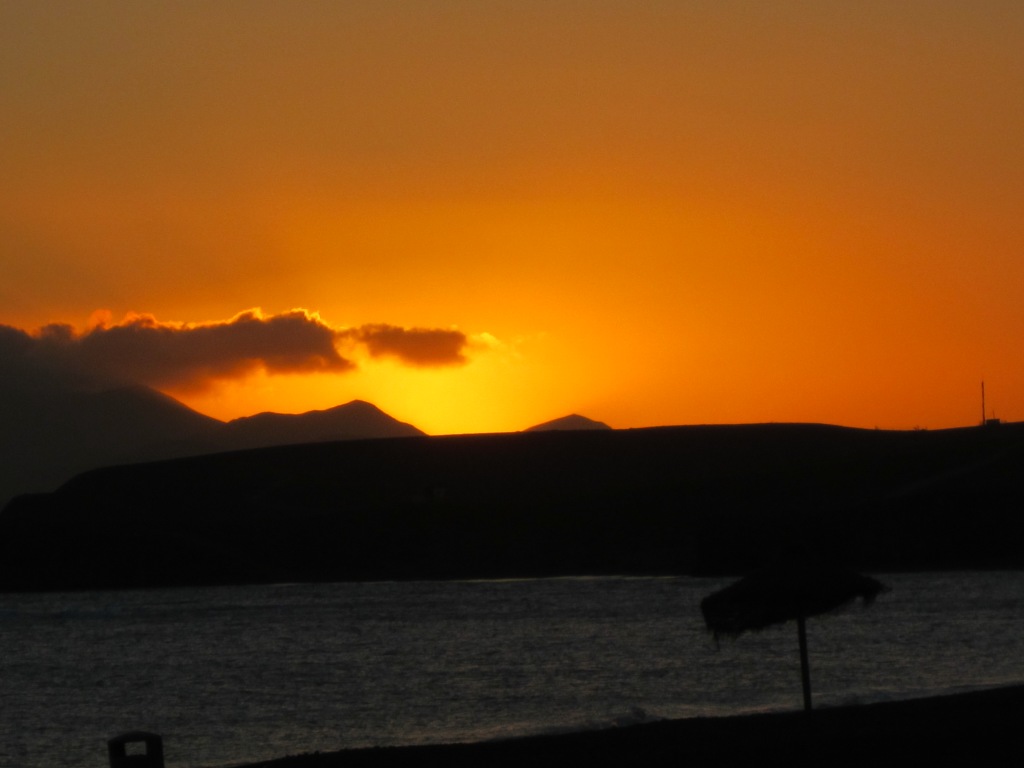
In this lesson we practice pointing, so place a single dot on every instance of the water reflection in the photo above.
(244, 673)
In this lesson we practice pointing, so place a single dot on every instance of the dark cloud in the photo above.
(143, 350)
(413, 346)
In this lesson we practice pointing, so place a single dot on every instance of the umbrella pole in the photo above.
(805, 668)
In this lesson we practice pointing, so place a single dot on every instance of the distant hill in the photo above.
(571, 422)
(357, 420)
(671, 500)
(49, 435)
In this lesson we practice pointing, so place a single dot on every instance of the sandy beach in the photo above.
(982, 727)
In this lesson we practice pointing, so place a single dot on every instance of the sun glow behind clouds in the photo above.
(503, 387)
(686, 212)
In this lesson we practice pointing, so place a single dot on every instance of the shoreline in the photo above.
(979, 725)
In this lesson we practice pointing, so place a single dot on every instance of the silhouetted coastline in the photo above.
(673, 500)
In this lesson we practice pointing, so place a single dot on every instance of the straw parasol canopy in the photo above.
(784, 594)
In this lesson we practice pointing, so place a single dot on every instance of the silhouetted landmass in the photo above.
(50, 434)
(571, 422)
(704, 499)
(357, 420)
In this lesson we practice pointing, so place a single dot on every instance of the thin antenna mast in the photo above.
(983, 402)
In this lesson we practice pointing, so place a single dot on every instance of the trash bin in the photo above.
(149, 755)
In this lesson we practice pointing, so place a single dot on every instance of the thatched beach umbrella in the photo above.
(776, 596)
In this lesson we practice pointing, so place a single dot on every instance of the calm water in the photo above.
(228, 675)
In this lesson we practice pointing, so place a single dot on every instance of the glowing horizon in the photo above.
(648, 214)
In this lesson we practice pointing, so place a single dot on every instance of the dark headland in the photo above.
(671, 500)
(978, 728)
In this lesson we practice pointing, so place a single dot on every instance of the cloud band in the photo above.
(143, 350)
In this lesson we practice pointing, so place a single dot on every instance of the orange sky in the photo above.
(649, 213)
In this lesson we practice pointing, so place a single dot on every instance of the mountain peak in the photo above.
(357, 405)
(354, 420)
(572, 422)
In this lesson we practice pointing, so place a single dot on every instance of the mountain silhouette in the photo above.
(50, 434)
(572, 422)
(357, 420)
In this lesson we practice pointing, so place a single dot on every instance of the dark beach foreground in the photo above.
(976, 728)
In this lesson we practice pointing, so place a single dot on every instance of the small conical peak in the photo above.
(572, 422)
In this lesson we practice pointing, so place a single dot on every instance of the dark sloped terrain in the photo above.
(568, 423)
(49, 434)
(977, 728)
(663, 500)
(357, 420)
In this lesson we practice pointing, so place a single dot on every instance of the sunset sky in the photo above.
(481, 215)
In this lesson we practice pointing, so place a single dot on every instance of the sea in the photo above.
(229, 675)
